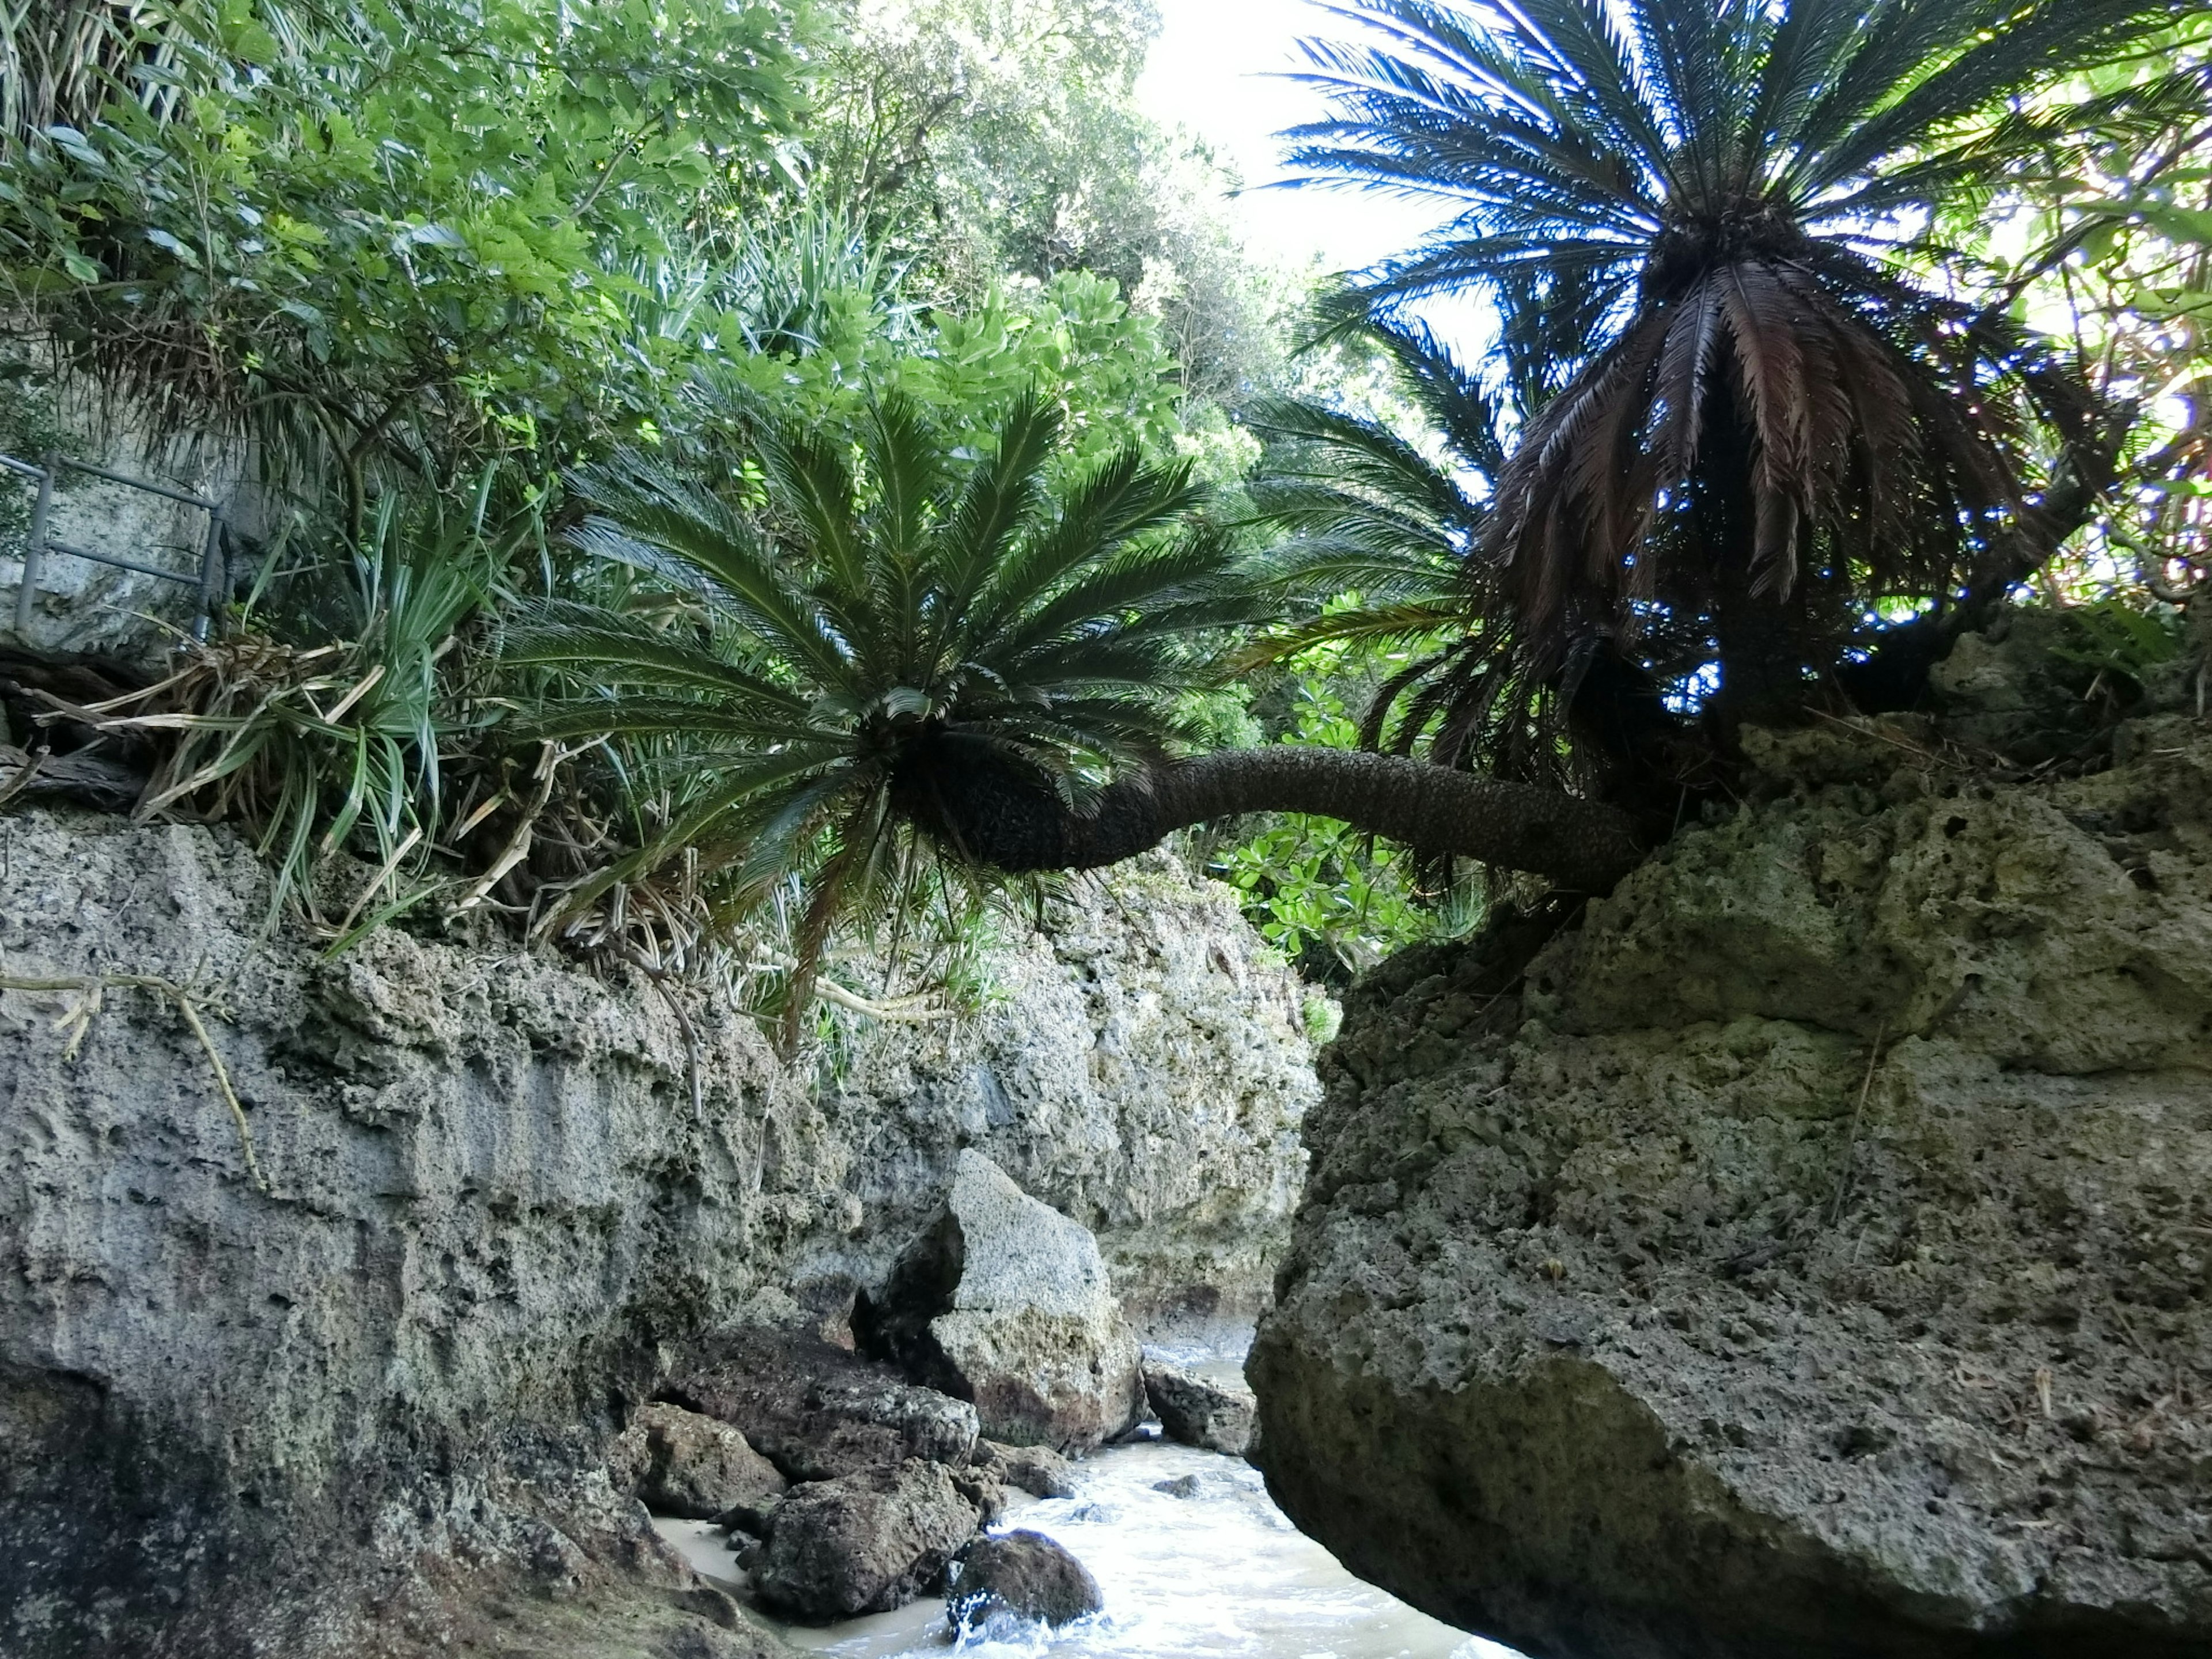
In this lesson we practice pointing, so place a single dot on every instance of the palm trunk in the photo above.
(1013, 825)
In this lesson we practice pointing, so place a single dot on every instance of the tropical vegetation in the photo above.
(745, 482)
(1756, 415)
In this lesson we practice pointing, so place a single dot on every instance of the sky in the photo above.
(1217, 70)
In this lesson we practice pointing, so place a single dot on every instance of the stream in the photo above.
(1210, 1570)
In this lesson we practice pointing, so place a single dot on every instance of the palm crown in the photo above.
(1743, 418)
(878, 632)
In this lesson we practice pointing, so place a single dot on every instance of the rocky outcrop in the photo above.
(865, 1542)
(355, 1396)
(1004, 1301)
(1141, 1066)
(818, 1410)
(1019, 1576)
(1808, 1253)
(1038, 1470)
(1198, 1413)
(681, 1463)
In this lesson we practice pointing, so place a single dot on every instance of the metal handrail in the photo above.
(40, 543)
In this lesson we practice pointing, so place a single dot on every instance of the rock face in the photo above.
(1808, 1254)
(1020, 1574)
(351, 1412)
(1197, 1413)
(367, 1411)
(681, 1463)
(1004, 1301)
(1144, 1071)
(863, 1543)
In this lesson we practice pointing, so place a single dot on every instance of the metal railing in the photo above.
(40, 543)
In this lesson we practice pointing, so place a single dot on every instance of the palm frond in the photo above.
(816, 699)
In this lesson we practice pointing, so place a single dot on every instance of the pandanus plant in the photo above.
(1752, 411)
(898, 643)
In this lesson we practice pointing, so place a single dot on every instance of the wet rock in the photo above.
(1215, 1483)
(1197, 1413)
(985, 1495)
(1004, 1302)
(1019, 1575)
(1038, 1470)
(1796, 1258)
(817, 1410)
(865, 1542)
(679, 1462)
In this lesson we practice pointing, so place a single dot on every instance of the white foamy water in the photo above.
(1220, 1574)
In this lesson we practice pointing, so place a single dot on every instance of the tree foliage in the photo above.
(380, 230)
(980, 139)
(1746, 420)
(890, 625)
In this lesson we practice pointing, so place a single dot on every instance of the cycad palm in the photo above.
(1360, 509)
(909, 645)
(1700, 209)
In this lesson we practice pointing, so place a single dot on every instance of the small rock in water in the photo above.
(1207, 1484)
(681, 1463)
(865, 1542)
(1038, 1470)
(1025, 1574)
(1201, 1414)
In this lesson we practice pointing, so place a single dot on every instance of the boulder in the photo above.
(679, 1462)
(1004, 1302)
(1019, 1575)
(865, 1542)
(1806, 1254)
(1197, 1413)
(817, 1410)
(1038, 1470)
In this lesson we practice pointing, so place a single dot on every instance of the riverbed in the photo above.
(1208, 1569)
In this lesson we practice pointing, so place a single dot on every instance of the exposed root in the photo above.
(77, 1020)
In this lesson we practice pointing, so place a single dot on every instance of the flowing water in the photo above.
(1210, 1570)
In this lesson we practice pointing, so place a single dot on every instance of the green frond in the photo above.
(915, 604)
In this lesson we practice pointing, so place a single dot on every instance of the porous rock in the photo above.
(865, 1542)
(1004, 1302)
(353, 1408)
(1038, 1470)
(817, 1410)
(681, 1463)
(1806, 1255)
(1197, 1413)
(1019, 1575)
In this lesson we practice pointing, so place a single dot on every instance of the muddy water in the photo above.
(1211, 1571)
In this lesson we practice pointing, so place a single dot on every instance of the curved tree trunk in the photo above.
(993, 815)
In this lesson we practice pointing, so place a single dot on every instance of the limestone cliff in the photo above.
(362, 1411)
(1806, 1252)
(1140, 1067)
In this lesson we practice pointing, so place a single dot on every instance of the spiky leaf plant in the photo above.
(901, 649)
(1363, 510)
(1764, 416)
